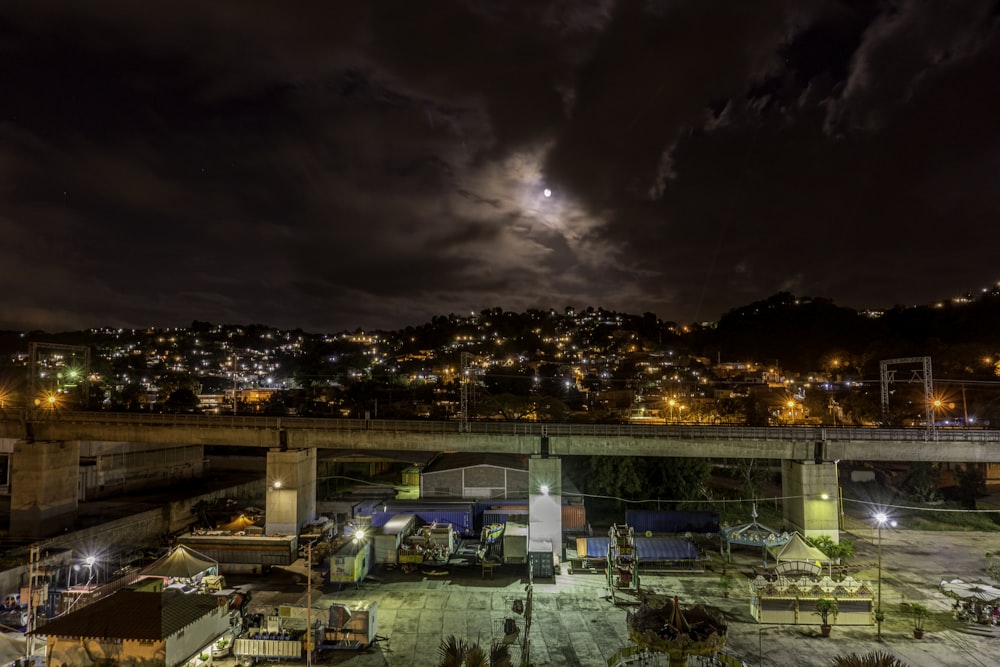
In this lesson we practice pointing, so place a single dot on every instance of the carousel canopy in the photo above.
(754, 534)
(970, 591)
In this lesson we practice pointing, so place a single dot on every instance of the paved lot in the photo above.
(574, 624)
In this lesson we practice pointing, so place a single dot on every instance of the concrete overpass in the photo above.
(45, 459)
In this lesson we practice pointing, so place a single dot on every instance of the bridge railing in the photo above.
(526, 429)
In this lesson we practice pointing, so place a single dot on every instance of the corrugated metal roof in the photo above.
(132, 615)
(647, 548)
(469, 459)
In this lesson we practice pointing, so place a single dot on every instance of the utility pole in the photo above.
(310, 635)
(29, 644)
(234, 383)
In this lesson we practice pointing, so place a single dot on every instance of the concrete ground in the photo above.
(575, 624)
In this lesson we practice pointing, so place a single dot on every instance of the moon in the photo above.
(547, 192)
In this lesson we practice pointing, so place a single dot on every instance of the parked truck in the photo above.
(294, 630)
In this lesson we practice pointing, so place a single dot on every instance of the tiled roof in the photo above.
(132, 615)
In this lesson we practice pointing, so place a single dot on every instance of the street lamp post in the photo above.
(880, 520)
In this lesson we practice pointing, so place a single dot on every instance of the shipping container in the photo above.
(351, 563)
(661, 521)
(541, 560)
(460, 515)
(391, 535)
(515, 543)
(574, 519)
(244, 553)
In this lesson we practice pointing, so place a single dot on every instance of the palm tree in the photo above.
(825, 607)
(456, 652)
(870, 659)
(452, 652)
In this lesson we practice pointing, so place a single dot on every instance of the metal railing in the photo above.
(526, 429)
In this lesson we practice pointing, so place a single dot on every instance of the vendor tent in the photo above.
(238, 524)
(12, 647)
(182, 563)
(797, 549)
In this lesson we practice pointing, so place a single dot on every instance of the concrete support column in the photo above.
(44, 477)
(291, 490)
(545, 504)
(811, 498)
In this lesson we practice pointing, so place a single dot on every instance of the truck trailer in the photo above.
(294, 630)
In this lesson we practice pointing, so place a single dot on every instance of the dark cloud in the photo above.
(374, 164)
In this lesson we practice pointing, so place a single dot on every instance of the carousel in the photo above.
(751, 534)
(679, 634)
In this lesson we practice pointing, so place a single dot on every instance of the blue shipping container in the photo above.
(657, 521)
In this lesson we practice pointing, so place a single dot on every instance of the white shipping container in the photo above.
(393, 534)
(515, 543)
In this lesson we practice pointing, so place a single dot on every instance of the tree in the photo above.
(133, 397)
(617, 476)
(971, 485)
(753, 475)
(870, 659)
(824, 608)
(842, 550)
(182, 400)
(675, 478)
(456, 652)
(921, 481)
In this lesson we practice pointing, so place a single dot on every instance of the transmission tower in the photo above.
(923, 374)
(466, 365)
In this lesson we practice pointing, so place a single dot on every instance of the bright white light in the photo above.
(90, 560)
(544, 488)
(547, 192)
(277, 485)
(881, 518)
(359, 535)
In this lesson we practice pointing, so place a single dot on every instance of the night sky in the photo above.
(335, 165)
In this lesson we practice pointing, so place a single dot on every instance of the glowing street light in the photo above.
(881, 519)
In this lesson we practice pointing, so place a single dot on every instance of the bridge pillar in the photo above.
(545, 505)
(291, 490)
(44, 479)
(811, 498)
